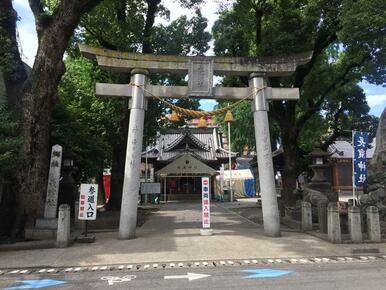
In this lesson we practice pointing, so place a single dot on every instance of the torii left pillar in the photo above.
(131, 183)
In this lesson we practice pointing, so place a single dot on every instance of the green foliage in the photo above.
(7, 49)
(347, 38)
(82, 123)
(182, 36)
(90, 126)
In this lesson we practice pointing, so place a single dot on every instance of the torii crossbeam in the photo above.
(200, 70)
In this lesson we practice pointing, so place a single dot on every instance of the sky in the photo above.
(376, 95)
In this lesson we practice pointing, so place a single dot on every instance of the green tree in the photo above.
(129, 26)
(348, 45)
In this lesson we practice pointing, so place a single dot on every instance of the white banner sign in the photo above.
(205, 203)
(88, 201)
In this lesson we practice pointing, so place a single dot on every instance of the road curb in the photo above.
(135, 267)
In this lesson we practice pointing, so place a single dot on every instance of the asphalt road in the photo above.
(353, 275)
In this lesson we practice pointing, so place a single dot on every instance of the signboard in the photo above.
(88, 201)
(200, 77)
(205, 202)
(360, 142)
(150, 187)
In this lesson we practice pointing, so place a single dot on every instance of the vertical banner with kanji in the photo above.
(205, 202)
(360, 142)
(88, 201)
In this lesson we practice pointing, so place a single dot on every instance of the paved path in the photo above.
(172, 234)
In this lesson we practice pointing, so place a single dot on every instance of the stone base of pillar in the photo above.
(373, 225)
(354, 224)
(206, 232)
(306, 216)
(64, 220)
(333, 227)
(322, 217)
(43, 229)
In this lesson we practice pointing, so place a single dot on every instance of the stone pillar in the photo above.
(271, 217)
(131, 183)
(63, 233)
(322, 217)
(354, 224)
(53, 182)
(306, 216)
(333, 227)
(373, 225)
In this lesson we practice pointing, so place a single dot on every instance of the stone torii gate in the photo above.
(200, 70)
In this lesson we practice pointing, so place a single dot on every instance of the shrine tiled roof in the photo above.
(204, 143)
(342, 149)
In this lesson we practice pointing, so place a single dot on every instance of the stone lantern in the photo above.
(319, 181)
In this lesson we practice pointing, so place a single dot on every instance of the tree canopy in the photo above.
(347, 43)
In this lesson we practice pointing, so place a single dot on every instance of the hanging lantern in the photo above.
(174, 117)
(202, 123)
(228, 117)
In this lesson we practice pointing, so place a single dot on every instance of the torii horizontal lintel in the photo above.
(126, 61)
(177, 92)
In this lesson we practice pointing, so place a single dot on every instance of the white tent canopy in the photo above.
(238, 174)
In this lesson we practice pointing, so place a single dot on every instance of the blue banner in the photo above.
(360, 140)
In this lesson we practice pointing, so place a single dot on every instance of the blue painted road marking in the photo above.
(35, 284)
(265, 273)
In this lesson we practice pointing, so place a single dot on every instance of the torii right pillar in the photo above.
(271, 216)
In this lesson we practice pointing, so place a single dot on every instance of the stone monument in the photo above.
(45, 228)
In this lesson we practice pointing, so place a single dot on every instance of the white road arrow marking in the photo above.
(189, 276)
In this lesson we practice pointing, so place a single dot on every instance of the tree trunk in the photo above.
(118, 166)
(39, 95)
(291, 159)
